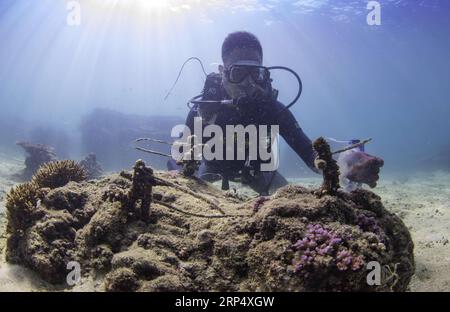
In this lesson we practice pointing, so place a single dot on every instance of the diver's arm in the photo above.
(293, 134)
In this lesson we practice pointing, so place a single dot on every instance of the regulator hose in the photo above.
(300, 85)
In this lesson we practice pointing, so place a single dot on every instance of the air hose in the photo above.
(300, 85)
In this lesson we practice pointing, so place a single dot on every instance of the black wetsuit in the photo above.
(269, 113)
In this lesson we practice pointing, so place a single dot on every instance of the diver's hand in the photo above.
(364, 168)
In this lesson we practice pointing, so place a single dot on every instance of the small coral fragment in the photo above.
(329, 167)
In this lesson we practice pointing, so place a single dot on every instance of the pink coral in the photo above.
(323, 246)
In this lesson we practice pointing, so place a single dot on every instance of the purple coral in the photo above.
(345, 260)
(369, 224)
(322, 246)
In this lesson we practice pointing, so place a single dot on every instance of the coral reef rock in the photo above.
(93, 169)
(199, 238)
(38, 154)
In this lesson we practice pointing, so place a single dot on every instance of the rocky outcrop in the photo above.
(37, 155)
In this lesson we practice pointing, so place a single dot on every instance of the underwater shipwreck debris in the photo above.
(38, 154)
(328, 166)
(290, 241)
(93, 169)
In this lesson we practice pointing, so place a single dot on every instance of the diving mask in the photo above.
(238, 73)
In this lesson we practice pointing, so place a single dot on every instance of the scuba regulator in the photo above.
(214, 96)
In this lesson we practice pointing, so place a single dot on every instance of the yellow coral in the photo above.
(58, 173)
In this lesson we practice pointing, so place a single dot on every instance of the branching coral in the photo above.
(329, 167)
(20, 203)
(58, 173)
(22, 208)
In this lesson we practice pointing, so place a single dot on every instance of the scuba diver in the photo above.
(244, 84)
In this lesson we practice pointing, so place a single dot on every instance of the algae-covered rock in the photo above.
(121, 280)
(198, 238)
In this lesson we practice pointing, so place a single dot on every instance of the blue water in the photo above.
(390, 82)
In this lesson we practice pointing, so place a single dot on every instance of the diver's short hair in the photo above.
(240, 39)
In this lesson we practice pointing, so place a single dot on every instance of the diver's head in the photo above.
(242, 72)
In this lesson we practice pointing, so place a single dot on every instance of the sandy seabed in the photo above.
(422, 201)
